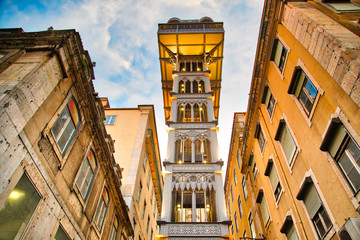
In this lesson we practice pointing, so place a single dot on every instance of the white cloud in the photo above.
(121, 36)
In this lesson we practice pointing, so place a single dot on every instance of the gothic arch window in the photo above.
(187, 151)
(195, 87)
(182, 66)
(206, 151)
(198, 154)
(188, 66)
(181, 87)
(196, 113)
(201, 88)
(187, 113)
(200, 66)
(194, 66)
(180, 113)
(203, 113)
(188, 87)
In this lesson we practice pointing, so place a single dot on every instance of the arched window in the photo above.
(187, 151)
(198, 154)
(206, 150)
(203, 113)
(195, 87)
(200, 66)
(194, 66)
(188, 87)
(187, 113)
(101, 209)
(182, 67)
(201, 87)
(86, 173)
(181, 87)
(196, 113)
(188, 66)
(180, 113)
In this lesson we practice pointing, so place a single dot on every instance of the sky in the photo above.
(121, 37)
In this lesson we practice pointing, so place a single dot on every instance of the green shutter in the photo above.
(312, 201)
(337, 139)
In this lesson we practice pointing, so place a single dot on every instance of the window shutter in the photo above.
(257, 130)
(291, 234)
(287, 143)
(264, 211)
(273, 178)
(265, 96)
(276, 52)
(337, 139)
(297, 81)
(312, 201)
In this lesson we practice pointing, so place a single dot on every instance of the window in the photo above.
(270, 171)
(236, 222)
(61, 234)
(260, 137)
(238, 158)
(145, 163)
(86, 173)
(264, 210)
(110, 120)
(232, 193)
(139, 192)
(235, 179)
(252, 164)
(278, 54)
(144, 210)
(101, 209)
(314, 207)
(66, 125)
(16, 212)
(286, 141)
(240, 207)
(243, 184)
(252, 226)
(268, 100)
(304, 90)
(148, 180)
(114, 228)
(229, 207)
(152, 196)
(147, 225)
(343, 6)
(345, 151)
(288, 229)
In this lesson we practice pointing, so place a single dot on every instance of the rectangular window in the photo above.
(268, 100)
(86, 173)
(110, 120)
(229, 207)
(235, 178)
(288, 229)
(252, 164)
(278, 54)
(270, 171)
(145, 163)
(66, 125)
(18, 209)
(264, 210)
(232, 193)
(238, 158)
(139, 192)
(260, 137)
(243, 184)
(101, 209)
(236, 222)
(345, 151)
(144, 210)
(240, 207)
(315, 208)
(61, 234)
(304, 90)
(147, 225)
(286, 141)
(252, 226)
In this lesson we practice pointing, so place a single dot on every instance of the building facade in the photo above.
(299, 149)
(137, 151)
(191, 54)
(58, 177)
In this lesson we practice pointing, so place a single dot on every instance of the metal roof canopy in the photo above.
(191, 39)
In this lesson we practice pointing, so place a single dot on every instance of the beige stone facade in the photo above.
(133, 131)
(298, 152)
(58, 177)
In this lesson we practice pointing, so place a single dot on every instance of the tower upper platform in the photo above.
(180, 39)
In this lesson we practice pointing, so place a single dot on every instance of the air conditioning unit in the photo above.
(351, 229)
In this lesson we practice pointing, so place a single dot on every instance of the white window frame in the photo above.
(259, 131)
(320, 92)
(266, 102)
(273, 165)
(283, 43)
(244, 188)
(94, 221)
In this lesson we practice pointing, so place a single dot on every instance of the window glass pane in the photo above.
(61, 235)
(59, 123)
(17, 210)
(65, 136)
(354, 151)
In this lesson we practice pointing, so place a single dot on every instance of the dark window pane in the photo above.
(61, 235)
(18, 209)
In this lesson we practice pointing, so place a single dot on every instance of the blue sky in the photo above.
(121, 38)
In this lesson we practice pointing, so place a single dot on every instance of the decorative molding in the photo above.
(198, 229)
(192, 125)
(192, 135)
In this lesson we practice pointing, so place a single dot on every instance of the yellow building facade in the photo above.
(137, 152)
(298, 152)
